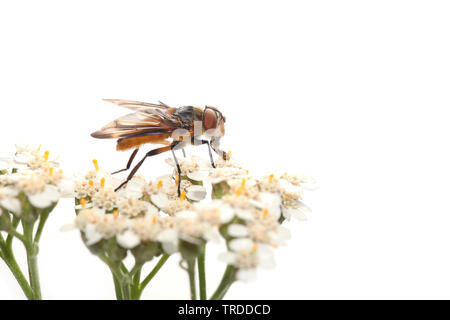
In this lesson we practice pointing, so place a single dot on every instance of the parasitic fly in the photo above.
(160, 124)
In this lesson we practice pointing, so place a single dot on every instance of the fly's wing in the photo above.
(148, 121)
(139, 106)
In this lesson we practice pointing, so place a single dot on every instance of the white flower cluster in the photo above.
(247, 212)
(31, 175)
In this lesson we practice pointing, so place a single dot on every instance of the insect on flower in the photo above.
(160, 124)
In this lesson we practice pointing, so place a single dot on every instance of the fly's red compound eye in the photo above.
(209, 119)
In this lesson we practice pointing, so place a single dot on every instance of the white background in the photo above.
(355, 93)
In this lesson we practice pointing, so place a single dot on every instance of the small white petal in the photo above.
(134, 188)
(294, 212)
(244, 214)
(212, 235)
(266, 257)
(271, 202)
(128, 239)
(45, 198)
(243, 244)
(228, 257)
(66, 188)
(281, 235)
(304, 207)
(196, 193)
(226, 213)
(92, 235)
(187, 214)
(23, 158)
(237, 230)
(11, 204)
(151, 210)
(199, 175)
(169, 240)
(6, 163)
(289, 187)
(160, 200)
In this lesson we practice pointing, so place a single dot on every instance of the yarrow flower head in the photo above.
(31, 184)
(149, 218)
(33, 181)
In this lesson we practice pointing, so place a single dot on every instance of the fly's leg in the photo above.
(184, 153)
(148, 154)
(130, 161)
(178, 169)
(210, 153)
(197, 142)
(214, 144)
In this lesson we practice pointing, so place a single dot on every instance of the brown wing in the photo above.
(150, 119)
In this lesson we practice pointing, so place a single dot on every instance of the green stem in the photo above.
(34, 273)
(227, 280)
(9, 239)
(42, 221)
(191, 273)
(117, 288)
(6, 253)
(2, 243)
(121, 279)
(152, 273)
(126, 290)
(32, 251)
(11, 262)
(13, 233)
(135, 278)
(202, 273)
(123, 268)
(135, 286)
(8, 256)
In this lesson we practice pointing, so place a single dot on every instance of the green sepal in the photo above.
(29, 213)
(190, 251)
(115, 252)
(97, 248)
(146, 251)
(5, 220)
(220, 189)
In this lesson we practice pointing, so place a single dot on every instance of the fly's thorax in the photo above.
(197, 122)
(186, 116)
